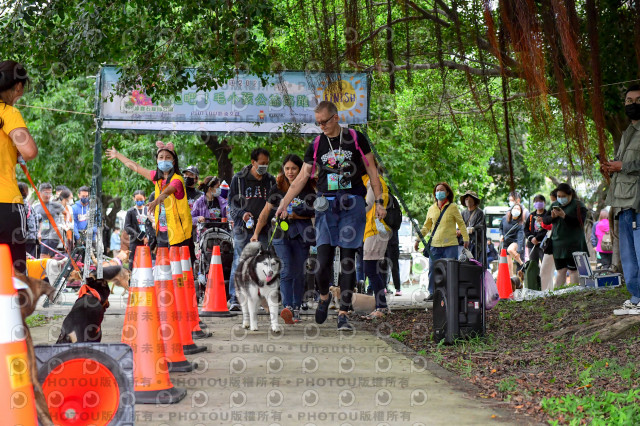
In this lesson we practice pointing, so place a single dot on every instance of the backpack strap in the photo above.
(316, 143)
(354, 136)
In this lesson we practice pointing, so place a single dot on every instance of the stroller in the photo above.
(213, 233)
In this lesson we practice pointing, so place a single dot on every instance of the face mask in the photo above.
(216, 192)
(189, 181)
(563, 200)
(139, 203)
(84, 200)
(512, 203)
(632, 111)
(441, 195)
(538, 205)
(165, 166)
(262, 169)
(515, 213)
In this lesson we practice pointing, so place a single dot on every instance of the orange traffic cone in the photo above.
(504, 277)
(169, 325)
(192, 301)
(215, 298)
(151, 381)
(17, 402)
(178, 286)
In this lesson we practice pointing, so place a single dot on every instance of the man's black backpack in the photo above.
(393, 219)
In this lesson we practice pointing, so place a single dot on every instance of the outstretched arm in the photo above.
(132, 165)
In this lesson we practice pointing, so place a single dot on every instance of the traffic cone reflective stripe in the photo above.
(17, 401)
(215, 298)
(192, 301)
(504, 277)
(151, 380)
(169, 326)
(178, 286)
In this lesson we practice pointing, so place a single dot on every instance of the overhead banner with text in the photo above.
(240, 105)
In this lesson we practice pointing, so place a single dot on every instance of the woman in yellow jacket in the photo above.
(444, 243)
(173, 215)
(376, 237)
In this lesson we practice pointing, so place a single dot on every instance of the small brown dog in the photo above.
(362, 303)
(28, 299)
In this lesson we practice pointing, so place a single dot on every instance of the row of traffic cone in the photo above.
(169, 326)
(161, 322)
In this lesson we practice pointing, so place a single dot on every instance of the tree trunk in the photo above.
(110, 219)
(221, 150)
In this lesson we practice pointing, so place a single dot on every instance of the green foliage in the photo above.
(596, 408)
(152, 42)
(400, 337)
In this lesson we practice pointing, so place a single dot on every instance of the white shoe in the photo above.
(622, 311)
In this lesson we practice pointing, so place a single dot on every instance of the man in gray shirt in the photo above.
(624, 198)
(47, 234)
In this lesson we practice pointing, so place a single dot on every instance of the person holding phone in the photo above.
(567, 215)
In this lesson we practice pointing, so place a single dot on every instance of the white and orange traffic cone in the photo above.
(215, 298)
(17, 401)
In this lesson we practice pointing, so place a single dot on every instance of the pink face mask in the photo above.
(538, 205)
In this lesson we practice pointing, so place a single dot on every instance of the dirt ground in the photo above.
(535, 351)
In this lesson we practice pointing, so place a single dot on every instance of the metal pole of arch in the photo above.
(95, 205)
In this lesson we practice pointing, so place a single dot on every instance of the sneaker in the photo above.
(304, 306)
(343, 323)
(234, 305)
(296, 315)
(286, 315)
(429, 298)
(628, 305)
(322, 310)
(398, 293)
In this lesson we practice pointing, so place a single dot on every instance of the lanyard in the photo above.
(333, 154)
(144, 214)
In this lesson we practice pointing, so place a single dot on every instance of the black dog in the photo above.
(83, 323)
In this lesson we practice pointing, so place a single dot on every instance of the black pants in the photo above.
(347, 278)
(393, 257)
(12, 232)
(32, 248)
(192, 248)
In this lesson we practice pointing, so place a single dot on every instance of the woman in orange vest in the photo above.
(15, 140)
(173, 215)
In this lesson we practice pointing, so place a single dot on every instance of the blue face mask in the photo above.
(563, 201)
(165, 166)
(441, 195)
(139, 203)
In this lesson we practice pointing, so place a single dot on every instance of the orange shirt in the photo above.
(9, 192)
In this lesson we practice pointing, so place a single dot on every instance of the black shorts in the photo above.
(568, 262)
(13, 228)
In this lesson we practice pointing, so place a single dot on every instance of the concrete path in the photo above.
(308, 375)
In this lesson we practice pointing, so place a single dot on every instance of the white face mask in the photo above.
(515, 213)
(512, 203)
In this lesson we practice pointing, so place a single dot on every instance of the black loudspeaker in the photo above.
(458, 305)
(87, 383)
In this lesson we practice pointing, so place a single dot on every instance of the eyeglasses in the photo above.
(324, 123)
(630, 101)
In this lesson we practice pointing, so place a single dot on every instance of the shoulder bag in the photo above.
(427, 248)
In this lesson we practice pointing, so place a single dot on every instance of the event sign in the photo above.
(242, 104)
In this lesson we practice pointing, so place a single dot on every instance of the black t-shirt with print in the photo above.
(340, 165)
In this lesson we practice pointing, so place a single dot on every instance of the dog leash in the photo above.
(23, 165)
(283, 225)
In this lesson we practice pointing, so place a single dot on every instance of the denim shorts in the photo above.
(342, 224)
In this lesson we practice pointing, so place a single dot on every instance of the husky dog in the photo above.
(258, 275)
